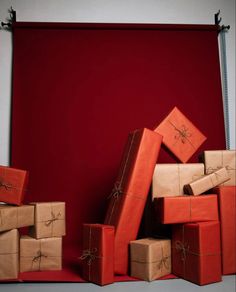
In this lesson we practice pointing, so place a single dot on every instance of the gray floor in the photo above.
(175, 285)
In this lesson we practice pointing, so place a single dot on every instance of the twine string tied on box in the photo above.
(183, 134)
(89, 255)
(116, 191)
(183, 248)
(38, 258)
(53, 218)
(5, 185)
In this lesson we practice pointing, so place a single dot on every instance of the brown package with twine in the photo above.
(40, 254)
(9, 254)
(207, 182)
(215, 159)
(169, 178)
(15, 217)
(49, 220)
(150, 258)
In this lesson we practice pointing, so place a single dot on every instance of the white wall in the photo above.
(141, 11)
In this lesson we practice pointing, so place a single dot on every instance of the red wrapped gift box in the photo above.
(196, 252)
(183, 209)
(180, 135)
(13, 183)
(227, 206)
(130, 192)
(98, 253)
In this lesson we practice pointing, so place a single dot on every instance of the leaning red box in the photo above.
(196, 252)
(180, 135)
(183, 209)
(13, 183)
(227, 206)
(129, 195)
(98, 253)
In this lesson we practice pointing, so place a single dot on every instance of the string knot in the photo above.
(183, 248)
(116, 191)
(182, 134)
(38, 256)
(89, 255)
(5, 185)
(163, 263)
(54, 218)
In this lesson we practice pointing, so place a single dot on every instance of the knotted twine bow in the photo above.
(5, 185)
(211, 169)
(117, 190)
(183, 248)
(164, 262)
(38, 258)
(54, 218)
(89, 255)
(182, 134)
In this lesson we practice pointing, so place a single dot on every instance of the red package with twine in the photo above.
(196, 252)
(98, 253)
(128, 198)
(227, 208)
(13, 183)
(180, 135)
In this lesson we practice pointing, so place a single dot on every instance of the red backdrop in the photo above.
(78, 90)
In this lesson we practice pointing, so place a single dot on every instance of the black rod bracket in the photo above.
(12, 18)
(218, 21)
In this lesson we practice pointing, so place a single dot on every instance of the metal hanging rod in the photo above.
(10, 20)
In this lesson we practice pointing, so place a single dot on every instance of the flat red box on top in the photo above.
(98, 253)
(129, 195)
(196, 252)
(180, 135)
(227, 207)
(13, 183)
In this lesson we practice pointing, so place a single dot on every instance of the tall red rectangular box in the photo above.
(227, 208)
(98, 253)
(129, 195)
(196, 252)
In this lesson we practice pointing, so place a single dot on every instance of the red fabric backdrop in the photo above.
(78, 90)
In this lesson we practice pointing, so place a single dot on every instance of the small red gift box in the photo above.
(196, 252)
(227, 206)
(180, 135)
(129, 195)
(183, 209)
(98, 253)
(13, 183)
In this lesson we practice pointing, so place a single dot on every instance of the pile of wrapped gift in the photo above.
(42, 248)
(197, 200)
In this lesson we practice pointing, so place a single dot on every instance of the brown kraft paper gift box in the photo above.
(49, 220)
(216, 159)
(207, 182)
(9, 254)
(150, 258)
(40, 254)
(16, 216)
(169, 178)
